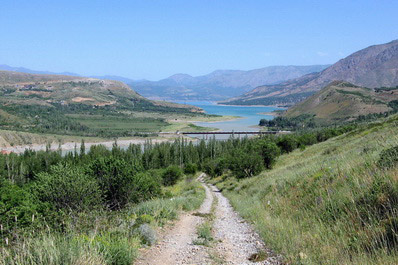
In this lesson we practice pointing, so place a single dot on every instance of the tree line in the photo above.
(39, 188)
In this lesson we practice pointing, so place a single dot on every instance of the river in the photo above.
(250, 115)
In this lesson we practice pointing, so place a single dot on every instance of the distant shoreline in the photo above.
(70, 146)
(272, 106)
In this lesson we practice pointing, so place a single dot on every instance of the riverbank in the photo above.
(70, 146)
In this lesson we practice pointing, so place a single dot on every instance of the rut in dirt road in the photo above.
(235, 241)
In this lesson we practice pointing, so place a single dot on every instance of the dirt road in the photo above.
(235, 241)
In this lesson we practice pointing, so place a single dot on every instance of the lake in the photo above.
(250, 115)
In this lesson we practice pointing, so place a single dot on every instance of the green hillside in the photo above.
(335, 202)
(342, 101)
(81, 106)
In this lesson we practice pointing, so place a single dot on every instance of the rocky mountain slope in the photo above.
(375, 66)
(219, 84)
(341, 101)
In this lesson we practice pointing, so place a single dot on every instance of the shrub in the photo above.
(190, 168)
(68, 187)
(270, 152)
(145, 187)
(388, 158)
(171, 175)
(115, 178)
(18, 207)
(287, 143)
(147, 234)
(246, 164)
(215, 167)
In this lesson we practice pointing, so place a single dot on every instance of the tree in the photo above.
(190, 168)
(68, 187)
(270, 152)
(116, 180)
(287, 143)
(245, 164)
(171, 175)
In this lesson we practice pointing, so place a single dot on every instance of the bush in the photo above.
(147, 234)
(18, 207)
(246, 164)
(145, 187)
(171, 175)
(115, 177)
(215, 167)
(68, 187)
(287, 143)
(388, 158)
(190, 168)
(270, 152)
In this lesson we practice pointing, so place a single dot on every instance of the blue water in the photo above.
(250, 116)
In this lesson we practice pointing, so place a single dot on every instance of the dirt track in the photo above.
(235, 241)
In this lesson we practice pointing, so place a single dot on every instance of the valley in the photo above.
(198, 132)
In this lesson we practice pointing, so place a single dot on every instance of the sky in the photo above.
(151, 39)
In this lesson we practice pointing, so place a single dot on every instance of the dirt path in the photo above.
(235, 241)
(175, 246)
(238, 242)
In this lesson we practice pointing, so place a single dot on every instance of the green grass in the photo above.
(329, 203)
(186, 196)
(205, 235)
(120, 123)
(99, 238)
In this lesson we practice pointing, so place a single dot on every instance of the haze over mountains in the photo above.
(375, 66)
(220, 84)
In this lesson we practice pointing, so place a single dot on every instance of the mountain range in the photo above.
(4, 67)
(220, 84)
(372, 67)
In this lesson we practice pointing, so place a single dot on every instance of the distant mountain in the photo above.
(113, 77)
(340, 101)
(4, 67)
(375, 66)
(220, 84)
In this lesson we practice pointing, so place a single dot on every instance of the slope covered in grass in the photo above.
(332, 203)
(342, 101)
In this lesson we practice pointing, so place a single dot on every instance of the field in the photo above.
(119, 124)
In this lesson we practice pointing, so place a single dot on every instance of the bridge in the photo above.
(237, 132)
(229, 132)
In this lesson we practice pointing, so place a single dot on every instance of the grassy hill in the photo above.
(342, 101)
(70, 105)
(335, 202)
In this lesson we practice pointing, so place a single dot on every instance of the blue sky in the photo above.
(154, 39)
